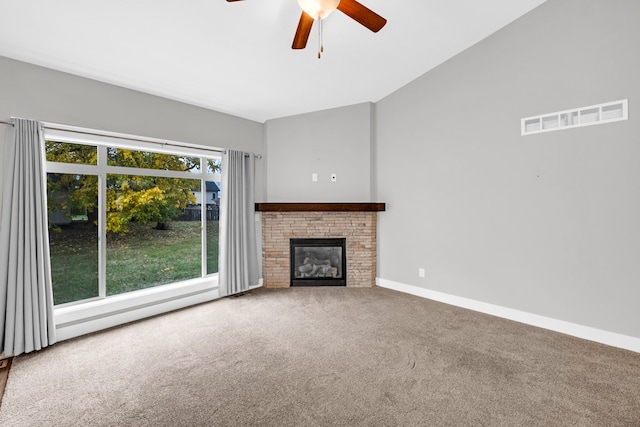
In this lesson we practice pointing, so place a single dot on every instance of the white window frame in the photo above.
(89, 315)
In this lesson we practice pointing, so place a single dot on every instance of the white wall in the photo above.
(548, 223)
(324, 142)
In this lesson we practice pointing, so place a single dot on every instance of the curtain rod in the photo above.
(51, 126)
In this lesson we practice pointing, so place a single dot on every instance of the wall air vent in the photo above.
(577, 117)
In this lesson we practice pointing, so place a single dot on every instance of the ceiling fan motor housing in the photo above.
(318, 9)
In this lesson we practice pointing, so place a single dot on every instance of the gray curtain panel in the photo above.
(238, 266)
(26, 295)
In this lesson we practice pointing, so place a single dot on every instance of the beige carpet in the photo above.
(324, 357)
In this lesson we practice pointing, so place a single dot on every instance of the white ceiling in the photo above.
(237, 58)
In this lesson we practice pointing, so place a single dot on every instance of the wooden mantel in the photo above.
(320, 207)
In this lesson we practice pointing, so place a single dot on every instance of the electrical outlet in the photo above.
(314, 177)
(334, 177)
(421, 272)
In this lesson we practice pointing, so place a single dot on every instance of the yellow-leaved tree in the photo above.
(130, 198)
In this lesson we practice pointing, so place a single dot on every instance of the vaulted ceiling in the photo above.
(236, 57)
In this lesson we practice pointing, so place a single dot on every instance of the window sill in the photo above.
(94, 315)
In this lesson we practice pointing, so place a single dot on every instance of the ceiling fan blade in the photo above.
(233, 0)
(362, 14)
(302, 33)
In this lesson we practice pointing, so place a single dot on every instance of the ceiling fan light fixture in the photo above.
(318, 9)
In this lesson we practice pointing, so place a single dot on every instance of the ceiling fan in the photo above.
(313, 10)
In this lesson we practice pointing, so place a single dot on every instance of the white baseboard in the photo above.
(585, 332)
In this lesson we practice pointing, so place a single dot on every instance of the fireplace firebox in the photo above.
(318, 262)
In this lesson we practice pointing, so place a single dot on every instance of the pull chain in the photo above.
(320, 36)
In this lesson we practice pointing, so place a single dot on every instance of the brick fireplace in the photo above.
(355, 222)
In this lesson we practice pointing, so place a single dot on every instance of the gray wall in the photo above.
(33, 92)
(324, 142)
(547, 223)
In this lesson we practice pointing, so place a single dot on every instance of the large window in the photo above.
(124, 218)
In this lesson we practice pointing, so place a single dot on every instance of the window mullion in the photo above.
(203, 218)
(70, 168)
(203, 225)
(102, 221)
(121, 170)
